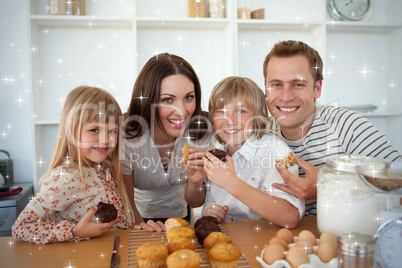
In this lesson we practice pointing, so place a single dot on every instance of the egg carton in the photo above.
(314, 260)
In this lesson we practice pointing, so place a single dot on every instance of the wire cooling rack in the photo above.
(139, 237)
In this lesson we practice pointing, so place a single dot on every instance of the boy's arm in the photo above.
(269, 207)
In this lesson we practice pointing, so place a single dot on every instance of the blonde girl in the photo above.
(84, 170)
(240, 189)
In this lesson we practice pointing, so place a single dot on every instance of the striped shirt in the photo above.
(337, 131)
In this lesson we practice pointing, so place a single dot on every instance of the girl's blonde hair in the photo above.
(84, 105)
(235, 88)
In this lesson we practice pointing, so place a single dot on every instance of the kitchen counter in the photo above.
(250, 237)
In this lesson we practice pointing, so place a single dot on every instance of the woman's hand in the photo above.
(150, 225)
(221, 173)
(85, 228)
(195, 165)
(218, 212)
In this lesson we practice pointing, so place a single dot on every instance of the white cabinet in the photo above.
(109, 45)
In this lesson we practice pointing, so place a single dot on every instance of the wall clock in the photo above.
(349, 10)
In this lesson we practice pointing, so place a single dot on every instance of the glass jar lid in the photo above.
(350, 162)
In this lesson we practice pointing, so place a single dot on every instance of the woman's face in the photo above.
(177, 104)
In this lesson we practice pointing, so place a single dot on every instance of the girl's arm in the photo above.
(269, 207)
(33, 225)
(195, 189)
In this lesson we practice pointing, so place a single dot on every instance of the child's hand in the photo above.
(195, 165)
(86, 228)
(218, 212)
(220, 173)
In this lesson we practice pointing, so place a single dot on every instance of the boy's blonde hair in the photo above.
(235, 88)
(84, 105)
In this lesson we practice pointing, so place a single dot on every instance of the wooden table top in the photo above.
(250, 237)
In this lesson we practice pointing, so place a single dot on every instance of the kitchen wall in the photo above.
(15, 108)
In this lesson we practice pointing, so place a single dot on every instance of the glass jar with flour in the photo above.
(344, 203)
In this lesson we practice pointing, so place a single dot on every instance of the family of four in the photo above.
(133, 160)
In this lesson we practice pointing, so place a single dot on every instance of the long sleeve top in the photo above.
(62, 202)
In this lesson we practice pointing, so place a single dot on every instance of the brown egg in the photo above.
(326, 251)
(307, 235)
(329, 237)
(305, 245)
(296, 256)
(279, 241)
(286, 235)
(273, 253)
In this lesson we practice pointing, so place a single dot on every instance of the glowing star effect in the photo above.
(244, 43)
(69, 265)
(8, 80)
(19, 100)
(364, 72)
(61, 100)
(4, 134)
(141, 98)
(179, 38)
(60, 60)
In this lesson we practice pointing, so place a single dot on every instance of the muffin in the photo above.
(220, 154)
(106, 212)
(183, 258)
(175, 222)
(151, 255)
(205, 219)
(224, 254)
(214, 238)
(180, 243)
(203, 230)
(181, 231)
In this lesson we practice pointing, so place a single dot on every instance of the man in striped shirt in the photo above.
(293, 81)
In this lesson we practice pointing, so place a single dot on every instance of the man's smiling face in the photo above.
(291, 91)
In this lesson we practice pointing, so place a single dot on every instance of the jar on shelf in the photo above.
(243, 11)
(257, 11)
(79, 7)
(197, 8)
(57, 7)
(216, 9)
(344, 203)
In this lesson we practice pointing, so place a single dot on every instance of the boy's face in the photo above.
(291, 91)
(233, 123)
(98, 140)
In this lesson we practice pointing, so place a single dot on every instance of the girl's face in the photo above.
(98, 140)
(177, 104)
(233, 123)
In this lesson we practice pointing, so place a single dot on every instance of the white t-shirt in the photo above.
(157, 193)
(255, 164)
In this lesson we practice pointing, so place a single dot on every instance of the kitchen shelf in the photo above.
(276, 25)
(81, 21)
(361, 27)
(196, 23)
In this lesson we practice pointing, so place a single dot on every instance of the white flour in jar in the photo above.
(345, 204)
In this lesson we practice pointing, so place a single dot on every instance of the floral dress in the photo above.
(62, 202)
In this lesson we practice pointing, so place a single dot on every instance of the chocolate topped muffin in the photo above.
(220, 154)
(205, 219)
(204, 229)
(106, 212)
